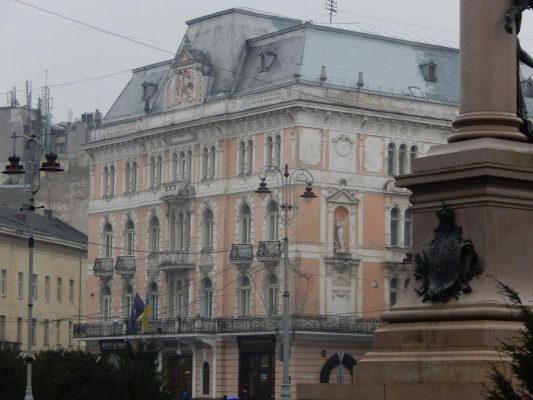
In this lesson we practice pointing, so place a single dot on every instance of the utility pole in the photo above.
(331, 6)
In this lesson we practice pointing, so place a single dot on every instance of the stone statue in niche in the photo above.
(188, 86)
(340, 222)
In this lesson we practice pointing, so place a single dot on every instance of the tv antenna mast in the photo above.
(331, 6)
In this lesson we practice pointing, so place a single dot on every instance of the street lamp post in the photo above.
(33, 184)
(288, 182)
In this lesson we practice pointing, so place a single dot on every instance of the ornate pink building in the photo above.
(174, 217)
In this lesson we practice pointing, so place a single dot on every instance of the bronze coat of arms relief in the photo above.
(448, 262)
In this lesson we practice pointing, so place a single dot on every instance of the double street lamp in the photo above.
(33, 183)
(288, 182)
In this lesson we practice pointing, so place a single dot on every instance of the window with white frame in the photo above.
(71, 291)
(3, 282)
(46, 288)
(127, 177)
(242, 158)
(105, 180)
(207, 298)
(108, 240)
(249, 157)
(153, 300)
(154, 235)
(273, 295)
(110, 187)
(413, 153)
(175, 167)
(212, 159)
(205, 163)
(391, 159)
(408, 229)
(130, 238)
(208, 221)
(131, 177)
(245, 224)
(394, 226)
(173, 232)
(273, 221)
(106, 303)
(269, 151)
(205, 378)
(127, 301)
(46, 338)
(393, 291)
(158, 178)
(20, 285)
(402, 159)
(34, 286)
(277, 151)
(244, 297)
(180, 225)
(171, 299)
(59, 297)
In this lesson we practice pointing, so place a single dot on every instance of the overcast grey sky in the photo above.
(34, 41)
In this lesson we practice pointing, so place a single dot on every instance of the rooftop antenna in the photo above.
(28, 94)
(331, 6)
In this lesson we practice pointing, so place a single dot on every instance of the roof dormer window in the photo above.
(267, 58)
(429, 71)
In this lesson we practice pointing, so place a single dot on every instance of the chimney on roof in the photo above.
(323, 75)
(360, 80)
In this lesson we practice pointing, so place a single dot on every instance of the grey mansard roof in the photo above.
(15, 222)
(231, 44)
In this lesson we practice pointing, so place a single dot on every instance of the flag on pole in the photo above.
(146, 315)
(137, 309)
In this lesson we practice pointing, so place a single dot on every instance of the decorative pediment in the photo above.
(340, 282)
(343, 196)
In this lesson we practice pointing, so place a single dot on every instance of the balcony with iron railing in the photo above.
(269, 250)
(241, 254)
(178, 190)
(125, 265)
(103, 267)
(235, 325)
(169, 260)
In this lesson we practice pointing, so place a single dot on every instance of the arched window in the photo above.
(171, 306)
(205, 162)
(130, 238)
(273, 295)
(205, 378)
(108, 240)
(402, 159)
(106, 303)
(181, 232)
(391, 156)
(242, 158)
(173, 232)
(188, 163)
(408, 229)
(393, 291)
(175, 167)
(153, 300)
(277, 151)
(154, 234)
(105, 177)
(245, 226)
(269, 155)
(207, 298)
(208, 229)
(152, 171)
(249, 157)
(127, 301)
(273, 221)
(413, 153)
(244, 297)
(394, 226)
(158, 178)
(212, 153)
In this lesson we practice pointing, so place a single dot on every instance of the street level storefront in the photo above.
(239, 357)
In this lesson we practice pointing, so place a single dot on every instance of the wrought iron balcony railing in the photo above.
(179, 190)
(169, 260)
(103, 267)
(269, 250)
(313, 323)
(241, 253)
(125, 265)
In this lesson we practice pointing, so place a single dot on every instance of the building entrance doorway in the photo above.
(179, 374)
(256, 367)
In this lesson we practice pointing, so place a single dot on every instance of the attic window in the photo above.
(267, 58)
(429, 71)
(529, 88)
